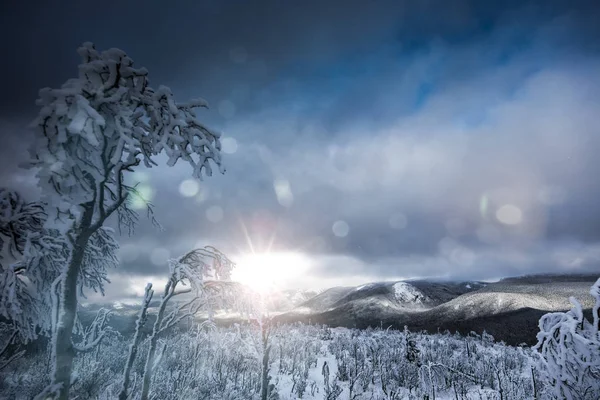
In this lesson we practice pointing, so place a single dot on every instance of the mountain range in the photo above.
(508, 309)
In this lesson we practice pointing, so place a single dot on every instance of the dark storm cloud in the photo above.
(203, 43)
(412, 123)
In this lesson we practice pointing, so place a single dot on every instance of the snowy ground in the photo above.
(226, 364)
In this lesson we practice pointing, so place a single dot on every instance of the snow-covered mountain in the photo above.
(395, 295)
(286, 300)
(509, 309)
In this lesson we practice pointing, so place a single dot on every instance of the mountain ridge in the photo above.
(501, 308)
(509, 309)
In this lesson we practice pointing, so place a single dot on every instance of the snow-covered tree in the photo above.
(8, 335)
(569, 351)
(137, 337)
(91, 133)
(205, 276)
(18, 304)
(29, 285)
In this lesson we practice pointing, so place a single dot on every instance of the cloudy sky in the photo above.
(364, 140)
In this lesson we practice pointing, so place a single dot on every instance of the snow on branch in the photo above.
(5, 357)
(595, 292)
(106, 122)
(93, 334)
(192, 270)
(568, 351)
(205, 273)
(17, 219)
(90, 133)
(29, 286)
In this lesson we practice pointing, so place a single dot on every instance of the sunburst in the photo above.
(265, 270)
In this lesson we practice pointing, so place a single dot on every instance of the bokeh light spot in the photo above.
(229, 145)
(143, 196)
(340, 228)
(189, 188)
(509, 214)
(483, 205)
(283, 191)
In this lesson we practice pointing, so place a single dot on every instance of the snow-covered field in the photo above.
(226, 363)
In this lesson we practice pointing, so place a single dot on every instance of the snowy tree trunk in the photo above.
(90, 133)
(264, 384)
(533, 382)
(141, 321)
(63, 350)
(148, 369)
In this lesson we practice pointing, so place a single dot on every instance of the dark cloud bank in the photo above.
(384, 140)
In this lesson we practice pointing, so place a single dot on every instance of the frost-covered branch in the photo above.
(94, 333)
(137, 337)
(190, 269)
(92, 133)
(568, 351)
(595, 293)
(17, 219)
(5, 357)
(85, 348)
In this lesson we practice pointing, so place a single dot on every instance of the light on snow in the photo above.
(509, 214)
(340, 228)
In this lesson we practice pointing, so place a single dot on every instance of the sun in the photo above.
(266, 272)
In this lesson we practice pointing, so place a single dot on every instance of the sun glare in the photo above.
(269, 271)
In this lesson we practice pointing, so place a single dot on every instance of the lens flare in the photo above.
(265, 272)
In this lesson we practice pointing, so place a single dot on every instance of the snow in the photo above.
(90, 134)
(569, 350)
(366, 286)
(407, 293)
(195, 358)
(284, 382)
